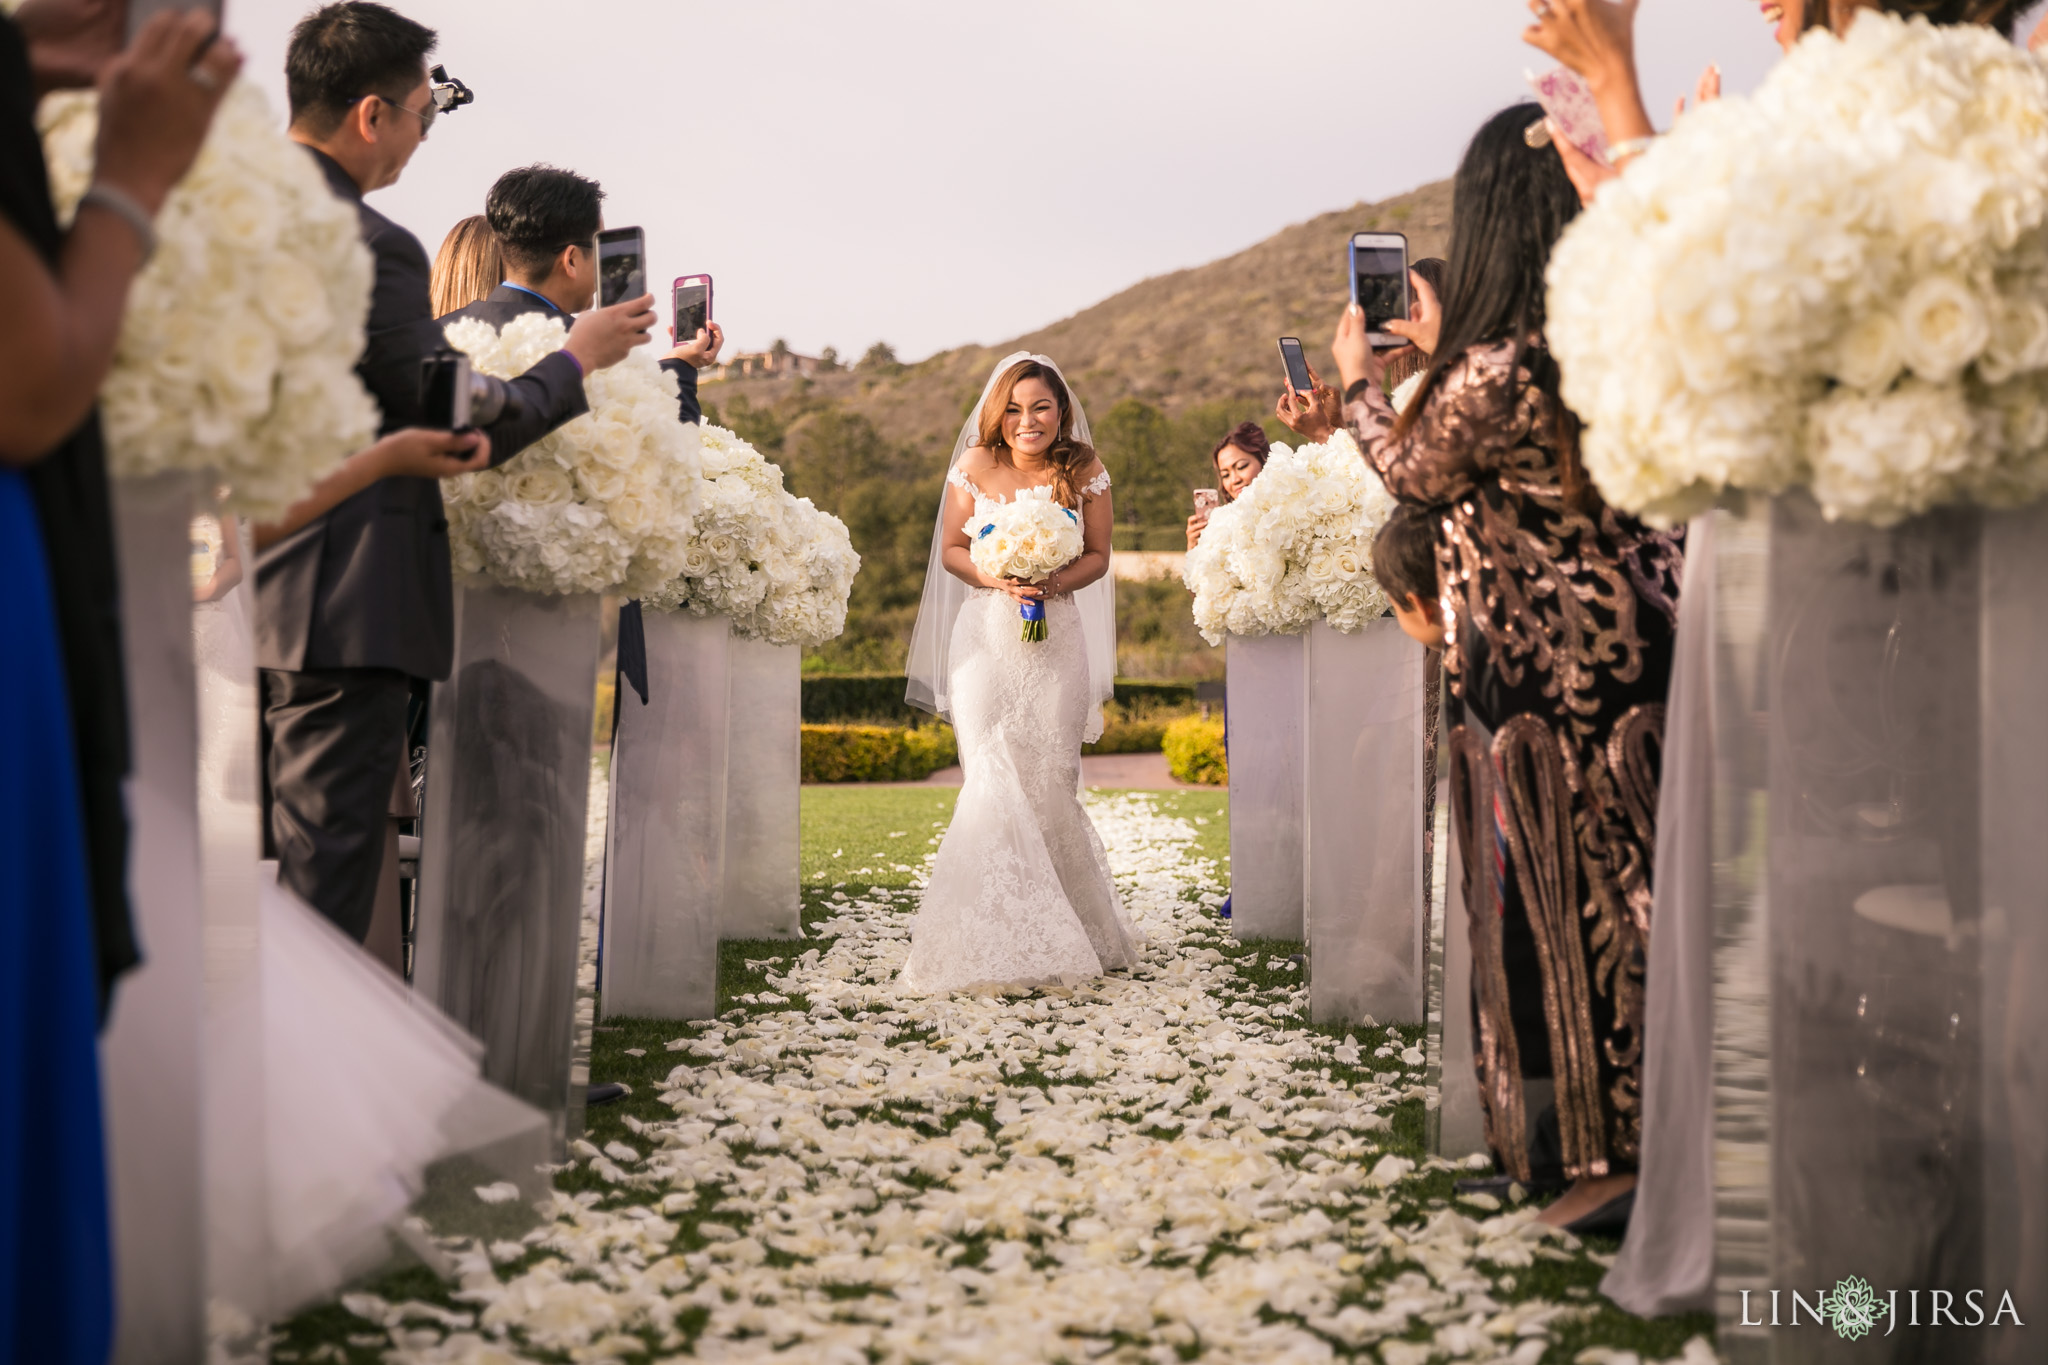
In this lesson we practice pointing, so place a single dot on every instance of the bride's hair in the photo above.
(1068, 457)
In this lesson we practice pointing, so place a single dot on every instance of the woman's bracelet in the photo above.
(1635, 146)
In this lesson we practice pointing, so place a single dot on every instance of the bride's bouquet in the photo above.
(1855, 307)
(1028, 539)
(1295, 545)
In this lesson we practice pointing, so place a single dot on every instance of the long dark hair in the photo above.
(1510, 204)
(1999, 14)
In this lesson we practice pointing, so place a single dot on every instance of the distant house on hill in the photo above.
(777, 362)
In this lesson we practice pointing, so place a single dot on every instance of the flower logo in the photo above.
(1853, 1307)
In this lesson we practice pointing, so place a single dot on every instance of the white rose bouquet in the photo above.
(604, 503)
(1839, 283)
(1028, 539)
(777, 566)
(1295, 545)
(237, 354)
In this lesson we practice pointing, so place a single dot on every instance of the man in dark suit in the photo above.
(545, 220)
(358, 602)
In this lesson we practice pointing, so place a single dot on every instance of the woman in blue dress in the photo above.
(64, 931)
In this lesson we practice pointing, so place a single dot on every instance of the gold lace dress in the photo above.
(1559, 636)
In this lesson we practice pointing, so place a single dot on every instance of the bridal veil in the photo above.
(931, 641)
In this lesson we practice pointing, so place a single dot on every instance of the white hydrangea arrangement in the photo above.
(604, 503)
(237, 354)
(776, 565)
(1840, 283)
(1295, 545)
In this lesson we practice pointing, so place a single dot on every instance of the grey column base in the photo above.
(1363, 855)
(665, 867)
(1266, 704)
(150, 1052)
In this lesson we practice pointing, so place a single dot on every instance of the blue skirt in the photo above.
(56, 1274)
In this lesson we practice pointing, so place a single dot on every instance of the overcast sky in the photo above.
(933, 172)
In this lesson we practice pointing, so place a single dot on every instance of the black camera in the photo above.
(449, 94)
(455, 398)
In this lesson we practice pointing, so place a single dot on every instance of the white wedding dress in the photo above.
(1020, 894)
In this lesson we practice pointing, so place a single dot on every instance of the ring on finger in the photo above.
(203, 78)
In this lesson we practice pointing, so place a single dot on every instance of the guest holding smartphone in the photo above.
(1317, 414)
(356, 600)
(1238, 459)
(1561, 614)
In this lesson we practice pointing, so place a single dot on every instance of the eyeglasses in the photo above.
(426, 119)
(448, 94)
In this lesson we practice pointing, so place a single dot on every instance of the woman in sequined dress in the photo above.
(1560, 614)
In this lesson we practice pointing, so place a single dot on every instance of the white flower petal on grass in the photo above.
(502, 1192)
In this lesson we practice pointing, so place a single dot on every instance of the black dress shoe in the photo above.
(1497, 1186)
(604, 1094)
(1609, 1220)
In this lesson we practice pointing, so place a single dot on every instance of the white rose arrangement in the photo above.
(1295, 545)
(237, 354)
(1840, 283)
(604, 503)
(779, 568)
(1028, 538)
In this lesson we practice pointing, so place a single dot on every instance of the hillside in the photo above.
(1193, 337)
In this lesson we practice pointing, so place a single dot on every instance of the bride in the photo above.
(1020, 894)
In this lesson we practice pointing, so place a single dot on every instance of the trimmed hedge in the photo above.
(841, 698)
(876, 753)
(1195, 752)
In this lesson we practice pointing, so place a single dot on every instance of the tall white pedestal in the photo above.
(665, 867)
(505, 836)
(1363, 878)
(1265, 706)
(1881, 925)
(150, 1052)
(764, 775)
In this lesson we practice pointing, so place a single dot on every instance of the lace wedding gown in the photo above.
(1020, 894)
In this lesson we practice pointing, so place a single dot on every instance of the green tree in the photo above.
(880, 359)
(829, 360)
(1135, 441)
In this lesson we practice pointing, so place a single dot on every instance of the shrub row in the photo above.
(839, 698)
(876, 753)
(1195, 753)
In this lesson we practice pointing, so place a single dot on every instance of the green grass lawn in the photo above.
(857, 839)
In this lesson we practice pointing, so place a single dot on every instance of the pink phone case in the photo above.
(1207, 499)
(1570, 105)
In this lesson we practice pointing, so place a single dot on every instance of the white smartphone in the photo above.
(1379, 283)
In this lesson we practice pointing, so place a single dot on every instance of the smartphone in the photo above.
(691, 306)
(1379, 283)
(1207, 499)
(445, 391)
(1568, 102)
(621, 265)
(141, 12)
(1297, 365)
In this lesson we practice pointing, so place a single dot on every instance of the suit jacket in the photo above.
(368, 585)
(507, 302)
